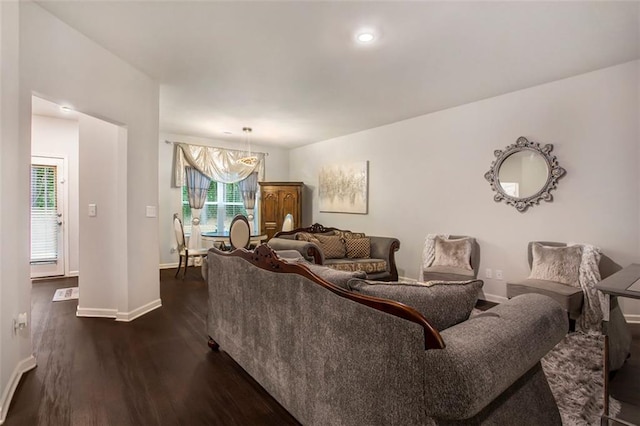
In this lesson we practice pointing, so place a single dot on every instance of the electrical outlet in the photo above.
(487, 273)
(499, 274)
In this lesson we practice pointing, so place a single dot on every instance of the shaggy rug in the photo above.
(574, 370)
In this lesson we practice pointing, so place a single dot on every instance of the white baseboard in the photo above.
(22, 367)
(632, 318)
(493, 298)
(96, 312)
(168, 265)
(73, 274)
(138, 312)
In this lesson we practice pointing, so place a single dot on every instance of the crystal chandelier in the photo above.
(248, 159)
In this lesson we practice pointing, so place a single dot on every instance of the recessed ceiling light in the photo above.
(226, 132)
(365, 37)
(65, 109)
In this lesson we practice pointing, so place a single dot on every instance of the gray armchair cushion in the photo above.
(443, 303)
(570, 298)
(447, 273)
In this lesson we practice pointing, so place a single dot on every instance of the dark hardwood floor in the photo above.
(155, 370)
(158, 370)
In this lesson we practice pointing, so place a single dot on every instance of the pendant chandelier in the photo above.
(248, 159)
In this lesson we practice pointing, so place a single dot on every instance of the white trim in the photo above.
(168, 265)
(22, 367)
(73, 274)
(138, 312)
(96, 312)
(632, 318)
(493, 298)
(407, 279)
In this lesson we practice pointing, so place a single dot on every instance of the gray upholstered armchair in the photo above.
(450, 272)
(571, 296)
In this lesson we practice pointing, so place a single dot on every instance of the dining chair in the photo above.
(288, 224)
(239, 232)
(183, 251)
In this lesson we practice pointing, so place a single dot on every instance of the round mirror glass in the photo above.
(523, 173)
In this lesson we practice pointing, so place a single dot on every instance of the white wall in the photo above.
(59, 64)
(427, 173)
(55, 137)
(41, 55)
(276, 169)
(15, 348)
(103, 235)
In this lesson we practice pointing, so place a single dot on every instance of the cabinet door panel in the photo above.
(269, 217)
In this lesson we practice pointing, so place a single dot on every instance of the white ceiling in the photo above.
(293, 72)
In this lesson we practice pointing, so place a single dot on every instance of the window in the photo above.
(44, 217)
(224, 201)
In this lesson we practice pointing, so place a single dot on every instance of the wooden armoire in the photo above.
(278, 199)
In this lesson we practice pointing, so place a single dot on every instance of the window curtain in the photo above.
(217, 164)
(248, 188)
(197, 187)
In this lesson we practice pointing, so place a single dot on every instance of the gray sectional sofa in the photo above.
(332, 356)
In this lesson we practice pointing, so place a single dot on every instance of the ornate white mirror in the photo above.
(524, 173)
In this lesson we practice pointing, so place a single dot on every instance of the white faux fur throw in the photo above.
(595, 302)
(429, 253)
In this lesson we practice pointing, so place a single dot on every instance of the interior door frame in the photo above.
(63, 194)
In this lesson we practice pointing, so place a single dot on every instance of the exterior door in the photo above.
(47, 242)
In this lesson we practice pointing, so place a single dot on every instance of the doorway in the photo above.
(47, 217)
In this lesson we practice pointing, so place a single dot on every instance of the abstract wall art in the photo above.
(343, 188)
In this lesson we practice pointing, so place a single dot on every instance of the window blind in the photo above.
(44, 210)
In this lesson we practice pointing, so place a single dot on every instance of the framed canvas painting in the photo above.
(343, 188)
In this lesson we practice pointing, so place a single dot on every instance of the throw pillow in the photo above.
(442, 303)
(307, 236)
(559, 264)
(332, 246)
(358, 248)
(454, 253)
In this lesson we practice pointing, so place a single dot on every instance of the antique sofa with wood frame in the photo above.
(380, 265)
(331, 356)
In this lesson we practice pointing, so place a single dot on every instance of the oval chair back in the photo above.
(239, 232)
(179, 231)
(288, 224)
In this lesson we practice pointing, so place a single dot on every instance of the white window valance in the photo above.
(217, 164)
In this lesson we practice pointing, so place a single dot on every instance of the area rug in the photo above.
(574, 370)
(66, 294)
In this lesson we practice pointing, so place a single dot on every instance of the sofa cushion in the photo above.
(443, 303)
(454, 253)
(559, 264)
(348, 234)
(370, 266)
(358, 248)
(332, 246)
(336, 277)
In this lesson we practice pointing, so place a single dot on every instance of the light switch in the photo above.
(93, 210)
(151, 211)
